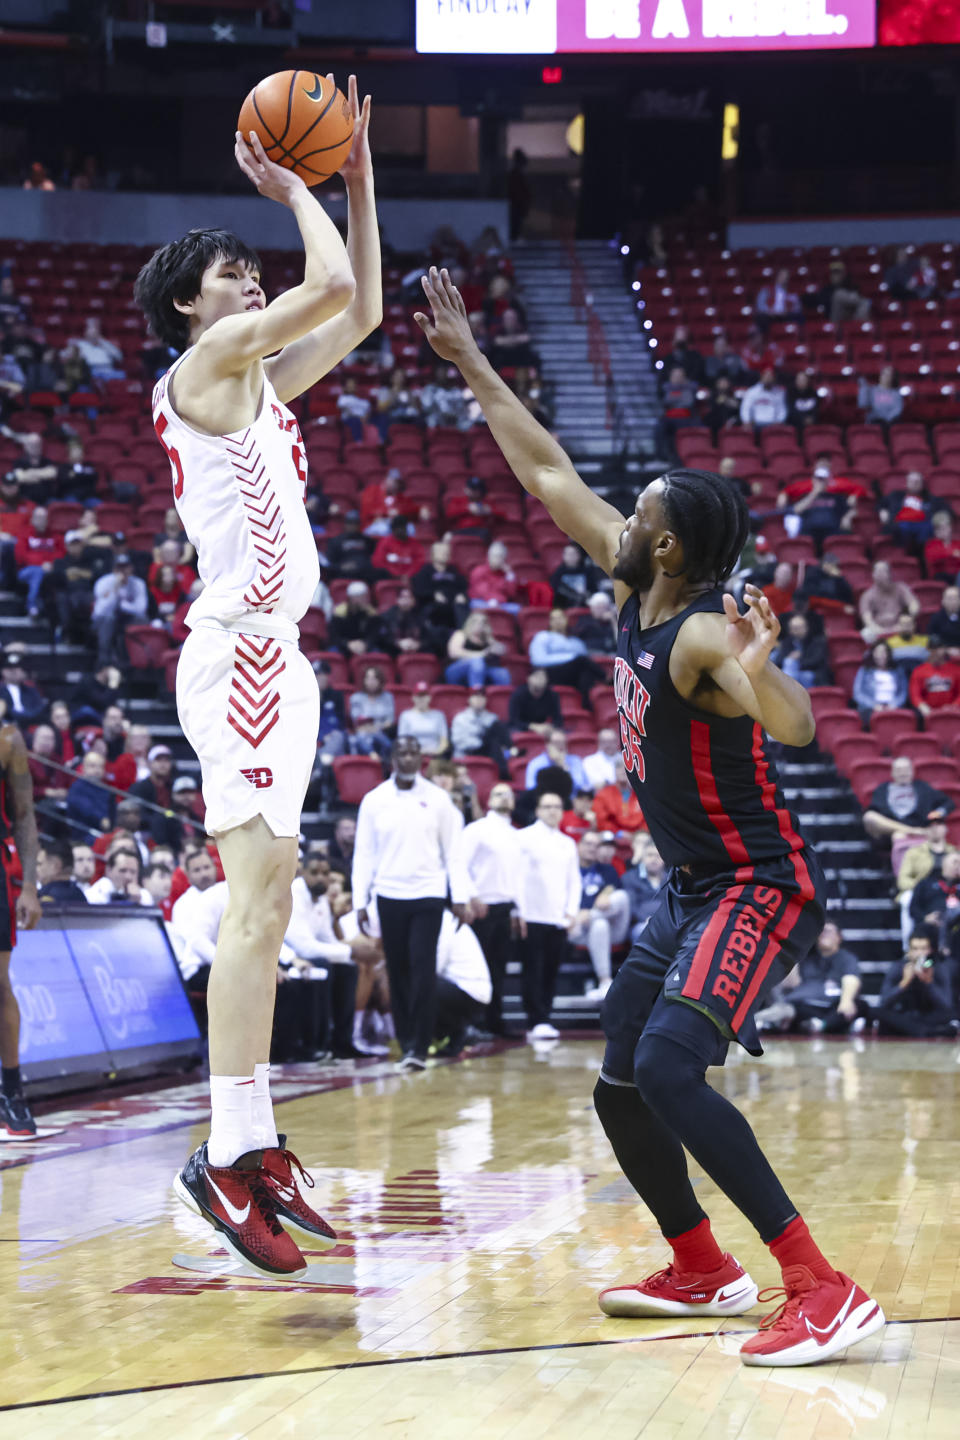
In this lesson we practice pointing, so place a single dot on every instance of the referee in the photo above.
(486, 868)
(406, 829)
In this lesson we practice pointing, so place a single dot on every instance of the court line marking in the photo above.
(408, 1360)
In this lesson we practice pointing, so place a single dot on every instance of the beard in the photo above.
(635, 569)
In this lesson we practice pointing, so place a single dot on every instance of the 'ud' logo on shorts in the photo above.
(261, 778)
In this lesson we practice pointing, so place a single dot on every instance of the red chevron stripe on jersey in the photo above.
(254, 701)
(264, 519)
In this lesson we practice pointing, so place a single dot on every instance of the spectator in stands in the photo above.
(598, 630)
(563, 656)
(36, 551)
(883, 602)
(88, 803)
(168, 553)
(907, 513)
(471, 512)
(158, 883)
(803, 402)
(440, 589)
(579, 818)
(13, 382)
(119, 599)
(355, 626)
(882, 402)
(643, 882)
(427, 725)
(776, 301)
(405, 628)
(915, 998)
(493, 583)
(35, 473)
(723, 409)
(348, 554)
(907, 647)
(604, 766)
(617, 808)
(724, 362)
(935, 683)
(840, 299)
(825, 588)
(128, 830)
(48, 783)
(473, 653)
(555, 753)
(941, 554)
(878, 684)
(457, 782)
(76, 478)
(22, 702)
(764, 403)
(937, 893)
(477, 730)
(574, 578)
(443, 401)
(683, 357)
(397, 553)
(157, 789)
(902, 808)
(102, 540)
(604, 915)
(534, 705)
(77, 377)
(823, 990)
(373, 714)
(174, 534)
(511, 346)
(532, 395)
(802, 653)
(104, 358)
(353, 409)
(166, 592)
(760, 353)
(780, 591)
(925, 858)
(397, 403)
(13, 307)
(61, 723)
(899, 274)
(15, 512)
(340, 846)
(944, 626)
(54, 864)
(825, 504)
(679, 401)
(380, 501)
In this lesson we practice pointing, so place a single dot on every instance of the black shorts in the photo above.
(717, 944)
(8, 904)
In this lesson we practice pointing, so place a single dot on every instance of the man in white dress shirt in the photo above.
(406, 829)
(195, 918)
(121, 882)
(486, 866)
(549, 902)
(463, 984)
(603, 766)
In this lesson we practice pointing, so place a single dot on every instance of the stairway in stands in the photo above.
(584, 423)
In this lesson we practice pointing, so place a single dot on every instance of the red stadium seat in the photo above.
(850, 749)
(865, 776)
(412, 668)
(484, 774)
(336, 664)
(313, 629)
(355, 775)
(450, 699)
(147, 647)
(937, 772)
(357, 664)
(945, 726)
(919, 747)
(887, 725)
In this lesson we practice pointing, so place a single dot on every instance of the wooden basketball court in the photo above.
(480, 1210)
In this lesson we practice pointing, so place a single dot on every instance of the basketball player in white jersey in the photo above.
(246, 696)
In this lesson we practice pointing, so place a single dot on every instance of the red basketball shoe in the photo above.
(292, 1210)
(727, 1291)
(238, 1201)
(815, 1321)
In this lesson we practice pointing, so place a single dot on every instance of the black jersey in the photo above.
(706, 784)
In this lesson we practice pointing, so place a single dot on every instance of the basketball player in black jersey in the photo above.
(17, 818)
(696, 693)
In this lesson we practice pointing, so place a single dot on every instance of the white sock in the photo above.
(358, 1018)
(231, 1121)
(264, 1125)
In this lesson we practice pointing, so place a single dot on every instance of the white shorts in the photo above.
(250, 708)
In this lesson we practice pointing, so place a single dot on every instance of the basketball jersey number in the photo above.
(172, 456)
(300, 461)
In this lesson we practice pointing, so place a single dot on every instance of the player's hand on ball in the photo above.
(272, 180)
(446, 327)
(359, 163)
(751, 637)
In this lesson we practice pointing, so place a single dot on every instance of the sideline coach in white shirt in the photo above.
(406, 828)
(549, 903)
(486, 867)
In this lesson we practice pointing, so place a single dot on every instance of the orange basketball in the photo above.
(304, 123)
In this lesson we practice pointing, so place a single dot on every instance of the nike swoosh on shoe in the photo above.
(237, 1215)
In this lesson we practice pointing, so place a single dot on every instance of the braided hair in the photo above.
(709, 516)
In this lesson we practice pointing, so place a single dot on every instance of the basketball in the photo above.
(303, 120)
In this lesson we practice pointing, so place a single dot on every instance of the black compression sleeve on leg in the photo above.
(650, 1156)
(671, 1080)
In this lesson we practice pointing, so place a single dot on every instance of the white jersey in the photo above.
(240, 498)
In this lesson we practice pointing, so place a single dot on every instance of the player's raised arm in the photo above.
(236, 341)
(539, 463)
(305, 361)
